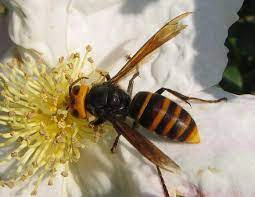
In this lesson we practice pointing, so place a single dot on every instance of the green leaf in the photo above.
(233, 76)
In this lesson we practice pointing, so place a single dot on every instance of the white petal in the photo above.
(43, 25)
(224, 160)
(89, 6)
(100, 173)
(125, 173)
(191, 62)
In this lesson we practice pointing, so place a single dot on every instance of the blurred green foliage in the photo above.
(239, 76)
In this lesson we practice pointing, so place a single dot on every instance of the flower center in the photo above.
(38, 133)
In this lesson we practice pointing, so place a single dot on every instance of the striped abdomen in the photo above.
(158, 113)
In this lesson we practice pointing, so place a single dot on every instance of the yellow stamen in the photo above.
(34, 118)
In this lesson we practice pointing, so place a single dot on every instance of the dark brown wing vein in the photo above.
(145, 147)
(167, 32)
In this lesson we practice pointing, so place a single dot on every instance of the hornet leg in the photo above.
(96, 126)
(187, 98)
(115, 143)
(135, 124)
(162, 182)
(106, 75)
(96, 122)
(114, 146)
(131, 83)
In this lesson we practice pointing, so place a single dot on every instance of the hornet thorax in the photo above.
(107, 100)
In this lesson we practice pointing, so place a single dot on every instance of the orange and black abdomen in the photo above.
(158, 113)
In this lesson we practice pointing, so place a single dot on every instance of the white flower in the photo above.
(191, 63)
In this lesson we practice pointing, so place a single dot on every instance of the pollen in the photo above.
(39, 137)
